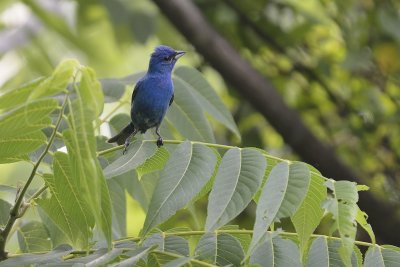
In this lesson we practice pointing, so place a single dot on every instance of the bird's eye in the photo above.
(168, 58)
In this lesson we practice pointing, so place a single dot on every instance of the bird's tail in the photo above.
(123, 135)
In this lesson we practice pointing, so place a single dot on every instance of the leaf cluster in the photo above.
(82, 204)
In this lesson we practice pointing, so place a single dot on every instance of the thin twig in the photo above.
(16, 211)
(241, 232)
(110, 150)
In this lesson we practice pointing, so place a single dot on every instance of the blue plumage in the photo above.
(152, 96)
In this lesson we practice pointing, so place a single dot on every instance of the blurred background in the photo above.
(335, 63)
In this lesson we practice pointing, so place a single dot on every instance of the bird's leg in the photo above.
(159, 140)
(128, 140)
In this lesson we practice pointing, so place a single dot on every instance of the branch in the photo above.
(188, 19)
(18, 208)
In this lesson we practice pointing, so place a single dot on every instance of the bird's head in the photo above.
(163, 59)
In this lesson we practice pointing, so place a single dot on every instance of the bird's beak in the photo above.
(178, 54)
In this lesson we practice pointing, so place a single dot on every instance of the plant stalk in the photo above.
(19, 207)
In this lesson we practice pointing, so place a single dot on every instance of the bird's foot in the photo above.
(160, 142)
(125, 146)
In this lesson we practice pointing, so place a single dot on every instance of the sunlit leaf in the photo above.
(12, 147)
(58, 81)
(81, 145)
(90, 91)
(309, 214)
(361, 219)
(28, 118)
(18, 96)
(66, 207)
(154, 163)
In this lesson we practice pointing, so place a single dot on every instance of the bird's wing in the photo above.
(136, 89)
(172, 100)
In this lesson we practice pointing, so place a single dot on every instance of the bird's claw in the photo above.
(125, 147)
(160, 142)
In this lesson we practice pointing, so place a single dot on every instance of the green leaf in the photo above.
(206, 97)
(361, 187)
(141, 190)
(277, 252)
(67, 207)
(5, 208)
(237, 180)
(27, 119)
(119, 121)
(295, 192)
(57, 236)
(155, 163)
(103, 258)
(136, 155)
(174, 244)
(318, 255)
(39, 259)
(187, 171)
(134, 256)
(343, 207)
(118, 201)
(12, 147)
(244, 238)
(81, 145)
(90, 91)
(187, 116)
(114, 88)
(361, 219)
(178, 262)
(15, 159)
(58, 81)
(389, 22)
(324, 252)
(220, 249)
(269, 203)
(33, 237)
(16, 97)
(377, 256)
(8, 189)
(309, 214)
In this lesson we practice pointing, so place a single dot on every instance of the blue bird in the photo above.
(151, 97)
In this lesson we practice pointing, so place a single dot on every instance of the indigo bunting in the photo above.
(151, 97)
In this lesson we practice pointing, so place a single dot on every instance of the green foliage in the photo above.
(85, 200)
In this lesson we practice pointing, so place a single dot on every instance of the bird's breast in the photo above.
(151, 103)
